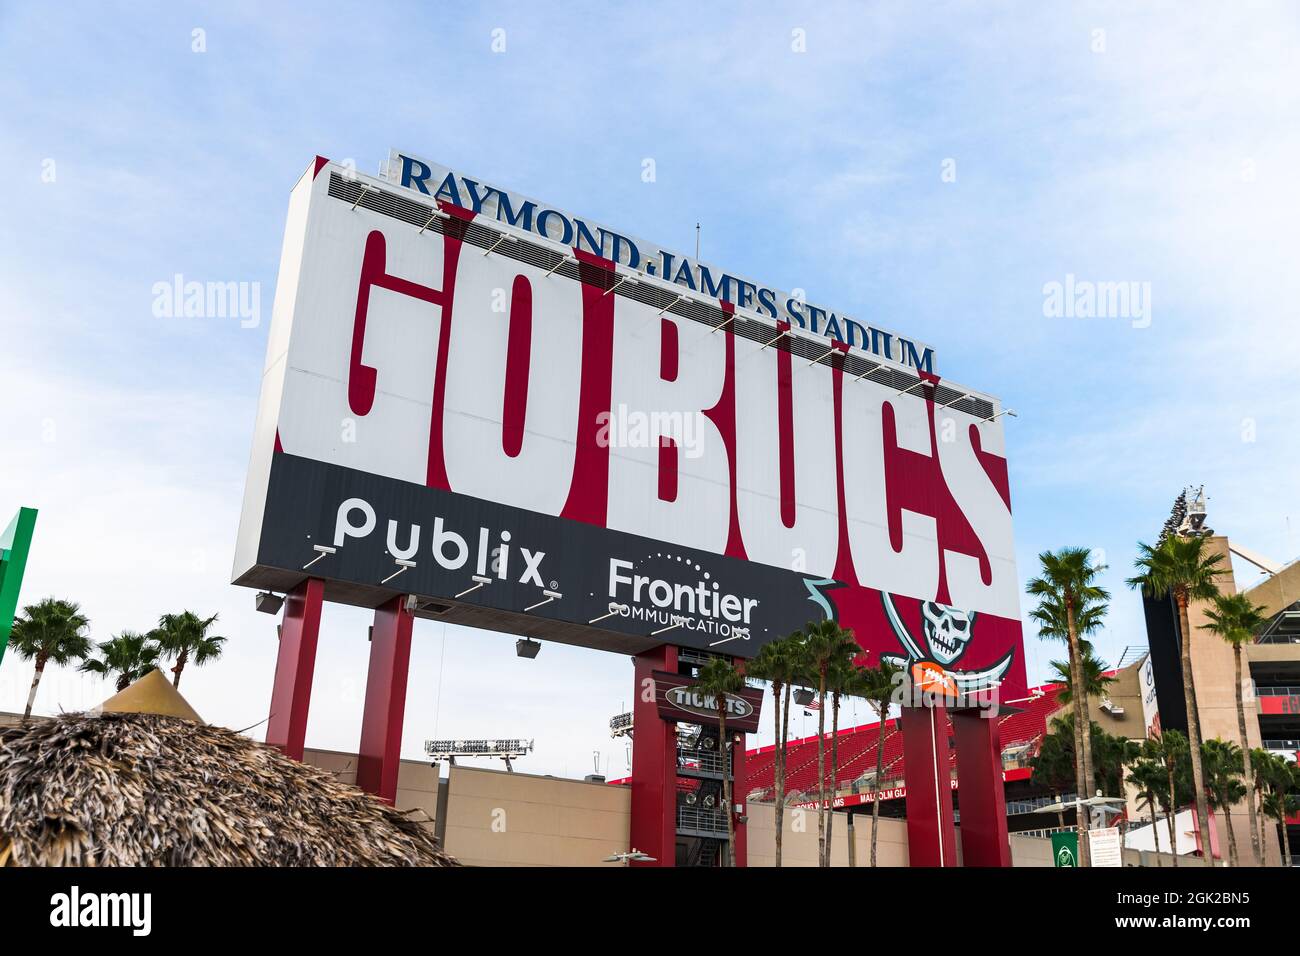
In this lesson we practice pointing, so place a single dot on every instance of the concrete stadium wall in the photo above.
(799, 839)
(495, 818)
(417, 782)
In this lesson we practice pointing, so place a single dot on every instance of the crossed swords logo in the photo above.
(947, 633)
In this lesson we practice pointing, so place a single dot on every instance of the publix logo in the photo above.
(706, 705)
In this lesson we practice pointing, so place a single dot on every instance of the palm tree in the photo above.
(1053, 767)
(1109, 764)
(825, 642)
(1113, 753)
(1054, 624)
(1223, 769)
(1071, 604)
(1181, 567)
(1095, 678)
(1277, 807)
(878, 685)
(185, 634)
(52, 630)
(780, 663)
(720, 680)
(1236, 620)
(1170, 749)
(129, 655)
(1148, 778)
(839, 681)
(1282, 778)
(1260, 764)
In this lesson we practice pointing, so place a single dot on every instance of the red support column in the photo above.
(653, 828)
(980, 790)
(931, 839)
(291, 693)
(381, 720)
(738, 797)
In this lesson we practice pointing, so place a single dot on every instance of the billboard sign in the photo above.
(1150, 702)
(528, 437)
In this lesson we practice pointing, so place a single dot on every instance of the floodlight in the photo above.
(549, 597)
(671, 304)
(504, 237)
(402, 565)
(671, 627)
(620, 725)
(479, 581)
(268, 603)
(321, 550)
(613, 609)
(563, 260)
(822, 356)
(436, 214)
(526, 648)
(871, 367)
(507, 749)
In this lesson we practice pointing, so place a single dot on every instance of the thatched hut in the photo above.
(135, 783)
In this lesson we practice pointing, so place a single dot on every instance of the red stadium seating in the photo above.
(857, 751)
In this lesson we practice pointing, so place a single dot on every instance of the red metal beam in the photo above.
(982, 794)
(381, 720)
(931, 838)
(653, 827)
(294, 666)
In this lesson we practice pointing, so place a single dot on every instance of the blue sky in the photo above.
(1157, 146)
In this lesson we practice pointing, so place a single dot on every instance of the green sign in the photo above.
(1065, 848)
(15, 542)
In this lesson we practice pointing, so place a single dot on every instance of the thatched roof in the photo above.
(143, 789)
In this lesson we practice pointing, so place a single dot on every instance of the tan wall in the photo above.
(1126, 693)
(1035, 851)
(495, 818)
(1031, 851)
(1278, 590)
(799, 839)
(417, 782)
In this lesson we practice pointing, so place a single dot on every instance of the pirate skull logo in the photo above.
(947, 630)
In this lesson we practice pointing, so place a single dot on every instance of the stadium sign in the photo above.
(540, 219)
(435, 421)
(678, 699)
